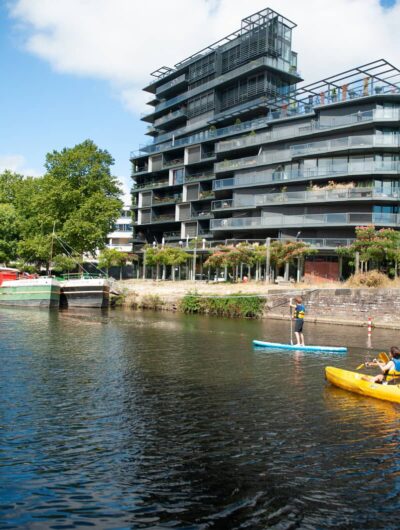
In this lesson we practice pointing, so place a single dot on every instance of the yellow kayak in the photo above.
(353, 382)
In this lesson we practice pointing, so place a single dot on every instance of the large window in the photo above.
(200, 104)
(202, 67)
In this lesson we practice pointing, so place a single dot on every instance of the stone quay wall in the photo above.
(341, 306)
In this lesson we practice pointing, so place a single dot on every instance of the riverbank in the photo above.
(328, 303)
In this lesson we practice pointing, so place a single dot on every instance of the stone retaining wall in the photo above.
(341, 306)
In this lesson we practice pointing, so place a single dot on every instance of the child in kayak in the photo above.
(392, 367)
(298, 316)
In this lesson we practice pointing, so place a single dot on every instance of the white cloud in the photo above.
(122, 41)
(17, 164)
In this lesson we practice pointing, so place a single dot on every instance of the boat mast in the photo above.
(52, 245)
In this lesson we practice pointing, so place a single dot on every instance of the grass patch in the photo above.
(232, 306)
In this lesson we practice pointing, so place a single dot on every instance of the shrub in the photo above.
(368, 279)
(151, 301)
(229, 306)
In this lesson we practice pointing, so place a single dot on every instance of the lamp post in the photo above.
(267, 259)
(194, 259)
(298, 260)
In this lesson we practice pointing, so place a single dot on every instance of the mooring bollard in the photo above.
(369, 342)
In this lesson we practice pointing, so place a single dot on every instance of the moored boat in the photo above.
(354, 382)
(85, 292)
(20, 289)
(279, 346)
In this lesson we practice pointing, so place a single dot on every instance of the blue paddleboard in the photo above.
(278, 346)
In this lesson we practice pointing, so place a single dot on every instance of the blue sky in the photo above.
(53, 95)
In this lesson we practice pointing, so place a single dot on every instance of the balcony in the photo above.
(328, 242)
(172, 163)
(168, 236)
(315, 126)
(272, 177)
(171, 117)
(161, 201)
(350, 142)
(302, 197)
(202, 175)
(201, 214)
(226, 204)
(137, 170)
(151, 185)
(307, 220)
(169, 102)
(167, 218)
(178, 81)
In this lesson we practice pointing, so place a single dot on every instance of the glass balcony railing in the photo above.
(171, 235)
(367, 141)
(272, 177)
(170, 84)
(299, 221)
(157, 201)
(151, 185)
(180, 113)
(169, 102)
(222, 205)
(325, 146)
(300, 197)
(167, 218)
(286, 112)
(203, 175)
(172, 163)
(314, 126)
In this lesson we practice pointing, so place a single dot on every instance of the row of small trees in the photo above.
(228, 257)
(371, 249)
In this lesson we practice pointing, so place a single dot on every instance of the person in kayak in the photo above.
(392, 368)
(298, 316)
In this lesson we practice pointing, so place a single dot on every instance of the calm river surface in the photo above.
(149, 420)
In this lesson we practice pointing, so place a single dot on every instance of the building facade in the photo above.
(121, 238)
(242, 150)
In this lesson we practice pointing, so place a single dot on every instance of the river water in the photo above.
(127, 420)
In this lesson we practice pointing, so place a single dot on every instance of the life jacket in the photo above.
(299, 311)
(396, 370)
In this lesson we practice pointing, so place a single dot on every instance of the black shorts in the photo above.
(298, 326)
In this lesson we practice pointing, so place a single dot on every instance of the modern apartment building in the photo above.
(242, 150)
(121, 237)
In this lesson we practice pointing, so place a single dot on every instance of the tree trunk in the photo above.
(286, 275)
(157, 271)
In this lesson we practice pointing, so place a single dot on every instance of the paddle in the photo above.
(291, 322)
(382, 356)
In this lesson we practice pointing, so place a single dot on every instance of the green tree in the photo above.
(63, 263)
(9, 185)
(111, 257)
(175, 257)
(154, 258)
(79, 194)
(9, 233)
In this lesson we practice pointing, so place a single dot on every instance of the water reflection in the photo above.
(152, 420)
